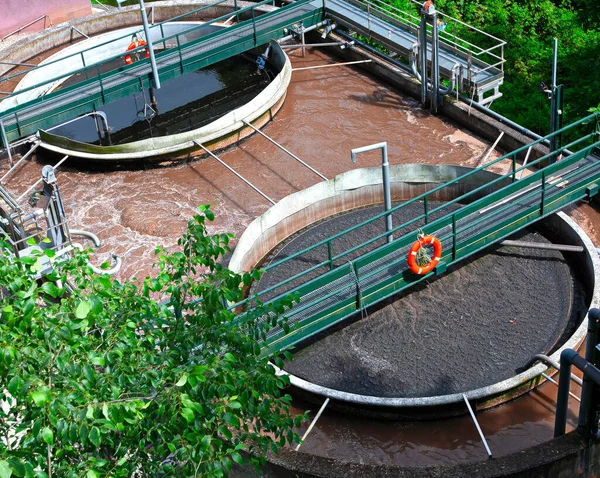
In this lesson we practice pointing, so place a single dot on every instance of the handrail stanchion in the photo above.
(5, 143)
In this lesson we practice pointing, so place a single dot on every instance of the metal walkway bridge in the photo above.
(478, 69)
(343, 284)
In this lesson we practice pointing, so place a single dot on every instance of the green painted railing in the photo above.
(505, 205)
(112, 85)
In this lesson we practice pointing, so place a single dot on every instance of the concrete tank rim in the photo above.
(477, 394)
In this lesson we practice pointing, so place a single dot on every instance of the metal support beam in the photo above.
(198, 143)
(13, 168)
(385, 174)
(539, 245)
(284, 150)
(155, 78)
(312, 424)
(32, 187)
(487, 448)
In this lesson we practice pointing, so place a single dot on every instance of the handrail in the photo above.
(28, 25)
(205, 7)
(157, 41)
(510, 176)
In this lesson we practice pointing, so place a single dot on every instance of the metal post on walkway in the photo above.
(435, 64)
(423, 58)
(555, 102)
(5, 143)
(385, 173)
(312, 424)
(155, 78)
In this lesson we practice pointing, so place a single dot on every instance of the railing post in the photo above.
(330, 255)
(237, 15)
(5, 142)
(179, 51)
(254, 26)
(426, 205)
(543, 198)
(101, 85)
(453, 237)
(359, 304)
(514, 167)
(84, 66)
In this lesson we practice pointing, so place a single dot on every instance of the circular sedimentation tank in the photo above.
(403, 368)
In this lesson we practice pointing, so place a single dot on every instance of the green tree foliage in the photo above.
(127, 379)
(529, 27)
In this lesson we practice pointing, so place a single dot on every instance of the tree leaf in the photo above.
(234, 405)
(40, 397)
(50, 289)
(91, 474)
(5, 470)
(83, 309)
(48, 435)
(182, 380)
(94, 436)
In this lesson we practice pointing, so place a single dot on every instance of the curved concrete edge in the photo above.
(345, 191)
(166, 145)
(259, 234)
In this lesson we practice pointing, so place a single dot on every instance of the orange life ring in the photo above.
(133, 46)
(412, 254)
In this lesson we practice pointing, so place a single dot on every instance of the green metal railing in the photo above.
(105, 87)
(486, 215)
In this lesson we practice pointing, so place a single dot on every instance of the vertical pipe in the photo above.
(562, 399)
(5, 143)
(155, 77)
(303, 42)
(423, 58)
(554, 63)
(586, 425)
(435, 67)
(387, 197)
(553, 102)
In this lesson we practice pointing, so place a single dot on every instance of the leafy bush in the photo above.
(110, 379)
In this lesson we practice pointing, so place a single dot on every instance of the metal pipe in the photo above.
(588, 422)
(489, 151)
(16, 64)
(552, 363)
(91, 235)
(78, 31)
(554, 62)
(306, 30)
(423, 58)
(525, 162)
(5, 142)
(285, 150)
(487, 448)
(538, 245)
(25, 26)
(385, 173)
(197, 143)
(334, 64)
(570, 357)
(312, 424)
(551, 380)
(343, 44)
(30, 152)
(155, 77)
(435, 65)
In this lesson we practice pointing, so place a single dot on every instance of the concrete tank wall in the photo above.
(16, 13)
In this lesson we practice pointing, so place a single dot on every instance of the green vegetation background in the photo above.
(529, 27)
